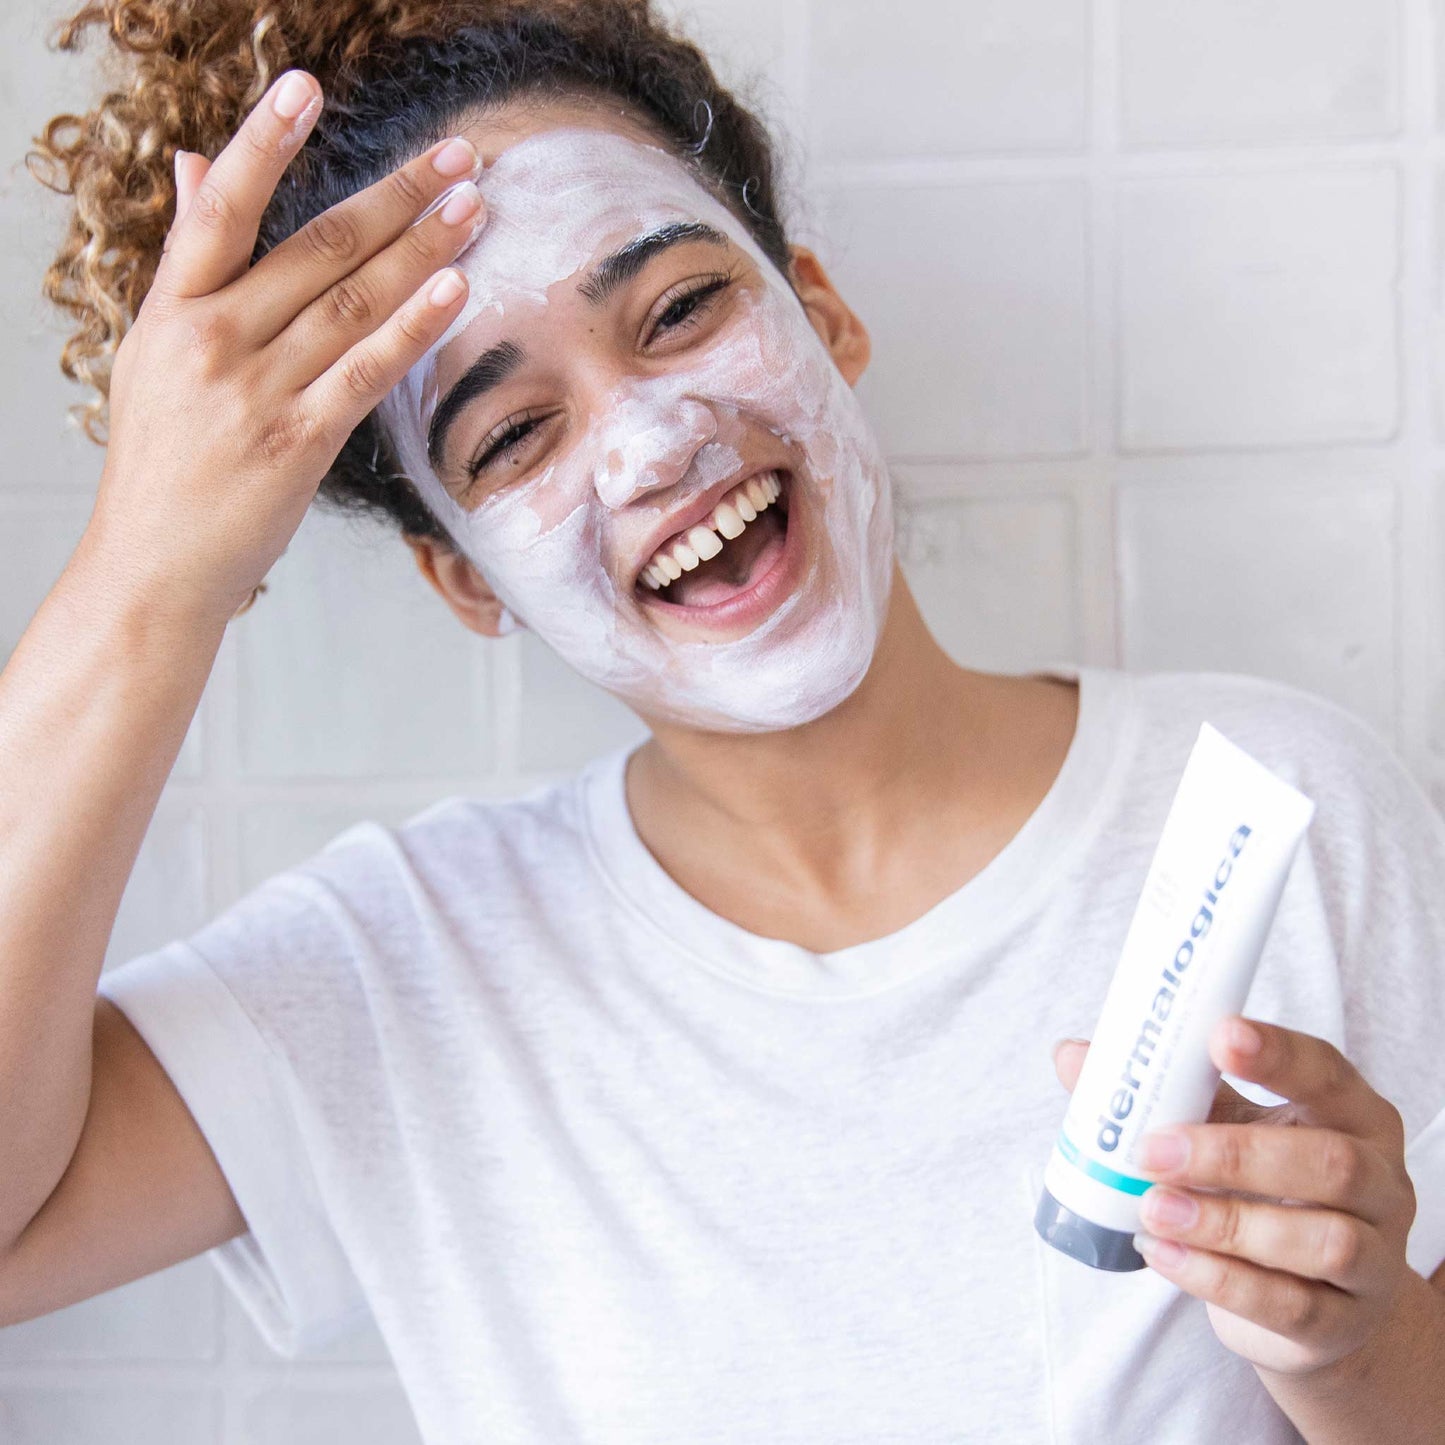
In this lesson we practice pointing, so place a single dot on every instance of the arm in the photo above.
(94, 705)
(1390, 1393)
(283, 363)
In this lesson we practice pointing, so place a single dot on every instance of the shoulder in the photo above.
(1305, 738)
(1376, 842)
(1354, 954)
(464, 867)
(461, 843)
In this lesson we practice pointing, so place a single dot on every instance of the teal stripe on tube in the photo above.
(1124, 1183)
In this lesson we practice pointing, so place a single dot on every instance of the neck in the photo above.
(825, 798)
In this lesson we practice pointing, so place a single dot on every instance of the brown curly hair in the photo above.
(398, 75)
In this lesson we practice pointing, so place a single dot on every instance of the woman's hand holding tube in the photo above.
(1289, 1221)
(237, 385)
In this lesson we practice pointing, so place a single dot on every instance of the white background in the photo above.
(1154, 288)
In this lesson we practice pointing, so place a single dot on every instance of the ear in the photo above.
(460, 586)
(843, 333)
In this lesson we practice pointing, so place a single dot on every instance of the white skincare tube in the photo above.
(1189, 957)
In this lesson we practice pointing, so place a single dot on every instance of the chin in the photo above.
(808, 670)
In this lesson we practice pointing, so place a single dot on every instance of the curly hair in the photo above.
(398, 75)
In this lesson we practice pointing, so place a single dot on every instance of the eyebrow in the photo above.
(623, 265)
(489, 370)
(498, 362)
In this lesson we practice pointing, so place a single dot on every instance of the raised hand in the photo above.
(238, 385)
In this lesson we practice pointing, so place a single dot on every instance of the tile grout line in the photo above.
(1417, 309)
(1102, 605)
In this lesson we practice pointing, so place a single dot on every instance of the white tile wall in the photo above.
(1259, 310)
(1436, 627)
(1296, 584)
(1157, 294)
(309, 1416)
(351, 666)
(167, 895)
(1436, 313)
(86, 1414)
(1239, 71)
(976, 298)
(998, 577)
(37, 83)
(566, 720)
(944, 80)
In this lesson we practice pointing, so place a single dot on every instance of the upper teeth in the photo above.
(699, 543)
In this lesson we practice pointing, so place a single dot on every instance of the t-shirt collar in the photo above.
(1016, 881)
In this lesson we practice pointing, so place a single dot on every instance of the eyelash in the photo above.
(515, 428)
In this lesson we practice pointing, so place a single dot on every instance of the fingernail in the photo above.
(1244, 1039)
(446, 198)
(1163, 1206)
(1061, 1042)
(180, 156)
(464, 203)
(1163, 1151)
(293, 96)
(1167, 1252)
(448, 287)
(456, 158)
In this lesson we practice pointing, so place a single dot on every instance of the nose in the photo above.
(651, 447)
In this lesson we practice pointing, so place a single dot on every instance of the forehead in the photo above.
(558, 199)
(496, 130)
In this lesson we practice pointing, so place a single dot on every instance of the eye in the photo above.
(682, 304)
(500, 440)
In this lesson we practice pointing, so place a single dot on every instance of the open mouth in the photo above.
(728, 552)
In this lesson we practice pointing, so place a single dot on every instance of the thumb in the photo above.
(1229, 1105)
(1069, 1055)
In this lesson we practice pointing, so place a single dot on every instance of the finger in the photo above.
(1323, 1244)
(213, 243)
(340, 240)
(191, 170)
(1323, 1085)
(1299, 1309)
(353, 386)
(358, 304)
(1319, 1166)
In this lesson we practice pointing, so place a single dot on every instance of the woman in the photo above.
(703, 1097)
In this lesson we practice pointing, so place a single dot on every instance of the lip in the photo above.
(699, 510)
(763, 595)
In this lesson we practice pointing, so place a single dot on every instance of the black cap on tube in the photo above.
(1084, 1240)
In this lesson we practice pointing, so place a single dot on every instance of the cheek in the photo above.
(545, 562)
(510, 528)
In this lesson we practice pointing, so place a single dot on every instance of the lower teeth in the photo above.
(731, 565)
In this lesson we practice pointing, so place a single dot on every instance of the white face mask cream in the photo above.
(708, 530)
(1188, 960)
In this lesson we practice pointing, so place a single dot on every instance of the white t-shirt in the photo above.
(607, 1168)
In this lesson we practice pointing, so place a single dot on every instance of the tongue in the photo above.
(731, 571)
